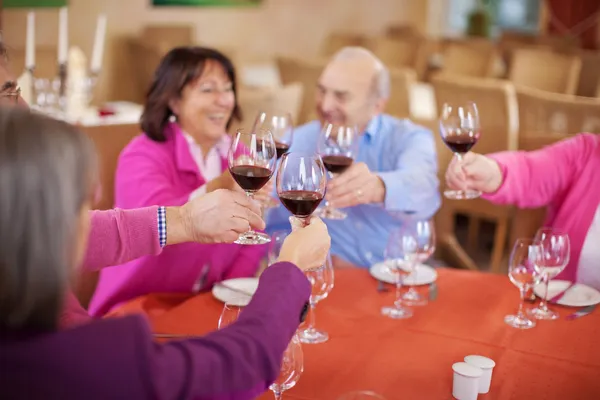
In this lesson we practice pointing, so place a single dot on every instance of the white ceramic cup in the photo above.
(487, 366)
(465, 385)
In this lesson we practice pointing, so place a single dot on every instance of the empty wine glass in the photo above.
(423, 233)
(251, 164)
(322, 281)
(292, 366)
(338, 147)
(301, 183)
(522, 267)
(460, 130)
(229, 315)
(394, 254)
(556, 251)
(277, 239)
(281, 127)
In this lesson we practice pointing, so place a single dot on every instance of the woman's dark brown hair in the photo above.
(180, 67)
(47, 170)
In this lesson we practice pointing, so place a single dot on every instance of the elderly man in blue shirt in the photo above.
(395, 172)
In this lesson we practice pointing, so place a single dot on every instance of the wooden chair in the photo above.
(496, 102)
(306, 72)
(589, 77)
(338, 40)
(475, 59)
(252, 101)
(408, 52)
(109, 141)
(545, 70)
(401, 81)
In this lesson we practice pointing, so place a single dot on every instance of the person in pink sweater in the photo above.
(565, 177)
(181, 155)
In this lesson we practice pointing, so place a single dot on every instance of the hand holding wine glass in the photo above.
(524, 258)
(474, 171)
(251, 163)
(460, 130)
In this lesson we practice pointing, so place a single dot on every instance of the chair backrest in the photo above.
(401, 81)
(589, 77)
(552, 114)
(307, 73)
(496, 103)
(287, 99)
(545, 70)
(474, 60)
(338, 40)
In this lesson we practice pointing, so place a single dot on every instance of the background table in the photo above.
(412, 358)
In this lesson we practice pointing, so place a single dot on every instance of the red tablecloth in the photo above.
(412, 358)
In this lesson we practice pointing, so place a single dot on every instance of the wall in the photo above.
(294, 27)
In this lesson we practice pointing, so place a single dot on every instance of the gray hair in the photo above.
(46, 172)
(381, 79)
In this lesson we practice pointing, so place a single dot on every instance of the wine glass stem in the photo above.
(413, 272)
(398, 277)
(520, 313)
(311, 317)
(543, 303)
(278, 394)
(250, 195)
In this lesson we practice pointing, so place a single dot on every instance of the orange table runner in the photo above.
(412, 358)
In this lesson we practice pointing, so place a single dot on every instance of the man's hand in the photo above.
(357, 185)
(216, 217)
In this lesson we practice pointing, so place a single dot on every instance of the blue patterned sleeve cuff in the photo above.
(162, 226)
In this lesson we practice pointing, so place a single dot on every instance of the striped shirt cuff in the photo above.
(162, 226)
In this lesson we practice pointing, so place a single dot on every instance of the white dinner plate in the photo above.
(423, 274)
(579, 295)
(229, 296)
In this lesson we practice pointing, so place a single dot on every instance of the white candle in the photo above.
(98, 50)
(63, 35)
(30, 41)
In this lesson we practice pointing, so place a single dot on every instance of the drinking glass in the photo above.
(338, 146)
(321, 280)
(423, 234)
(281, 127)
(292, 366)
(301, 183)
(525, 256)
(277, 239)
(460, 130)
(394, 254)
(556, 251)
(252, 161)
(229, 315)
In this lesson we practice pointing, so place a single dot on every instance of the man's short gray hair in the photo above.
(381, 79)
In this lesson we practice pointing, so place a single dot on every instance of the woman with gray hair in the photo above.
(47, 185)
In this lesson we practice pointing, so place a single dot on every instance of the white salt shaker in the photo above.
(487, 366)
(465, 385)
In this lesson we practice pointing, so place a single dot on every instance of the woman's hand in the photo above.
(476, 172)
(307, 246)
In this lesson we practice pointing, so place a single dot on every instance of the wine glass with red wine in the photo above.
(281, 127)
(252, 161)
(301, 182)
(338, 146)
(460, 130)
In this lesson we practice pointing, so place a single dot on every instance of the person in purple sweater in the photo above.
(47, 185)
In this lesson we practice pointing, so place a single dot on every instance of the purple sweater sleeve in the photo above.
(536, 178)
(241, 360)
(118, 236)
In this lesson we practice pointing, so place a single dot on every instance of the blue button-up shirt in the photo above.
(403, 155)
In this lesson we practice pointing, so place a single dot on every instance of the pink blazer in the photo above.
(565, 177)
(164, 173)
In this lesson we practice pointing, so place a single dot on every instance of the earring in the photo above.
(173, 118)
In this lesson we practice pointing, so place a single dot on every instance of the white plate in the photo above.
(423, 275)
(579, 295)
(232, 297)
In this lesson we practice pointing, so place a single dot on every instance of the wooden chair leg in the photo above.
(500, 237)
(473, 233)
(455, 255)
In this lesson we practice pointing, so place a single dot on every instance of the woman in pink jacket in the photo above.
(181, 155)
(565, 177)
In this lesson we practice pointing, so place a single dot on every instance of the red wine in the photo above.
(461, 142)
(281, 149)
(301, 203)
(337, 164)
(250, 177)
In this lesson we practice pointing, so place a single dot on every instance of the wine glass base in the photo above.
(540, 313)
(312, 336)
(413, 298)
(462, 194)
(330, 213)
(396, 312)
(253, 238)
(518, 322)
